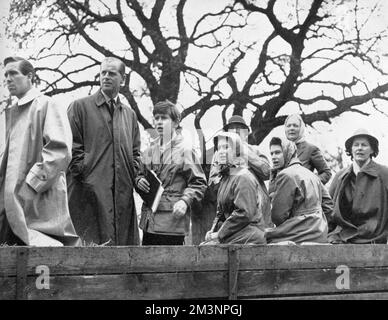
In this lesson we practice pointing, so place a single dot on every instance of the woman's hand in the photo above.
(210, 235)
(143, 185)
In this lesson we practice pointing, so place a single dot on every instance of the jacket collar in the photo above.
(369, 169)
(175, 139)
(101, 100)
(294, 161)
(31, 94)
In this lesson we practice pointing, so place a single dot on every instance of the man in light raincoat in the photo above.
(33, 196)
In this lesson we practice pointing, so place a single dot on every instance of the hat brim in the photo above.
(349, 142)
(226, 127)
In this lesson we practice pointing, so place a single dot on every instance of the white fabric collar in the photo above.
(357, 168)
(30, 95)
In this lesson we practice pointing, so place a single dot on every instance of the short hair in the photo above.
(167, 107)
(114, 59)
(25, 66)
(275, 141)
(373, 143)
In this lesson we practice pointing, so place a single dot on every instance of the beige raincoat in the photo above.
(33, 196)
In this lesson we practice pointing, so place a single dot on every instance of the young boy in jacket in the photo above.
(178, 167)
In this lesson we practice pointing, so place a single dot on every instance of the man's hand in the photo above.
(143, 185)
(179, 209)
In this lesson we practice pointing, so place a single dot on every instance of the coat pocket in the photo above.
(165, 221)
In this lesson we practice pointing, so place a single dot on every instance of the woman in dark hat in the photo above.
(309, 155)
(360, 194)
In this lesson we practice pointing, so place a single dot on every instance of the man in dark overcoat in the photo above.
(105, 161)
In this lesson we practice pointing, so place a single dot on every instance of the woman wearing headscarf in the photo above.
(240, 199)
(300, 202)
(360, 194)
(309, 155)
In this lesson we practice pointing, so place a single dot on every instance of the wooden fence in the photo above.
(192, 272)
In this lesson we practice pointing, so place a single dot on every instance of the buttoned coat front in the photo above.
(369, 212)
(33, 196)
(106, 154)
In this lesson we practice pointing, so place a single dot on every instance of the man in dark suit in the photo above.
(106, 155)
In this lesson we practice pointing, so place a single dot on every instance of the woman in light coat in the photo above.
(360, 194)
(309, 155)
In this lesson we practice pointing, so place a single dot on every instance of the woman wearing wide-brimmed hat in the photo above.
(360, 194)
(309, 155)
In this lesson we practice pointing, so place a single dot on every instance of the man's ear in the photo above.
(122, 82)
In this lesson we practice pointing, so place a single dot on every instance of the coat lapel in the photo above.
(100, 101)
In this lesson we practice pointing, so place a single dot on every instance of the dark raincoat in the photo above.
(106, 155)
(309, 155)
(365, 220)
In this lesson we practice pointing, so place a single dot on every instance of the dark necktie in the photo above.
(111, 106)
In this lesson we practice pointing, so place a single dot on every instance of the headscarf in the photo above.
(301, 136)
(289, 153)
(240, 152)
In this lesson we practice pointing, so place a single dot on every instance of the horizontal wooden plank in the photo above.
(316, 256)
(117, 260)
(194, 285)
(120, 260)
(349, 296)
(207, 285)
(310, 281)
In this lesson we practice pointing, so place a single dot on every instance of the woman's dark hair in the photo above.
(167, 107)
(373, 143)
(25, 67)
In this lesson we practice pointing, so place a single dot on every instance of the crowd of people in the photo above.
(67, 177)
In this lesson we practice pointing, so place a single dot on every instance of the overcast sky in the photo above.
(324, 135)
